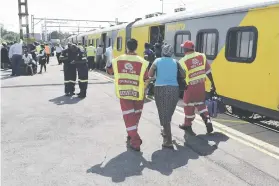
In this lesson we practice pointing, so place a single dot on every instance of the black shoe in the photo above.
(187, 129)
(71, 93)
(78, 94)
(209, 127)
(82, 96)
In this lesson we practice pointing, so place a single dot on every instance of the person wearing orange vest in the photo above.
(47, 49)
(196, 68)
(130, 75)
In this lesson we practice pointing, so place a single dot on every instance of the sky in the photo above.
(124, 10)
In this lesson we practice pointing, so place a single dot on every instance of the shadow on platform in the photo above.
(202, 143)
(65, 100)
(130, 163)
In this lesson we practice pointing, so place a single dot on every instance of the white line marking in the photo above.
(234, 134)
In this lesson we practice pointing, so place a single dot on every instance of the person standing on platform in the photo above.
(69, 78)
(33, 51)
(71, 70)
(59, 49)
(197, 68)
(42, 59)
(99, 54)
(166, 90)
(15, 54)
(47, 50)
(91, 53)
(82, 68)
(4, 56)
(130, 73)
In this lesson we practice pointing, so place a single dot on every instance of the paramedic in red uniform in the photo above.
(196, 68)
(130, 73)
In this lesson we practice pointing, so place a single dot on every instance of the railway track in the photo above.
(254, 119)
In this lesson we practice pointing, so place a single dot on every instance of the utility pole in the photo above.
(23, 12)
(162, 6)
(45, 30)
(32, 26)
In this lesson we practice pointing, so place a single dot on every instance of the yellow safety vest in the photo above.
(129, 72)
(38, 49)
(90, 51)
(195, 69)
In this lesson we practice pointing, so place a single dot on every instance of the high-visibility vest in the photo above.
(38, 49)
(90, 51)
(47, 49)
(129, 72)
(194, 65)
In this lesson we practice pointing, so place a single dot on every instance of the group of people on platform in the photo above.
(133, 74)
(18, 54)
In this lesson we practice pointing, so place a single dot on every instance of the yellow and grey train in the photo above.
(242, 45)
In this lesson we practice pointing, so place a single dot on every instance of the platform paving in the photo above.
(48, 139)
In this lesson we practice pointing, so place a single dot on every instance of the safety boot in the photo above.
(208, 123)
(187, 129)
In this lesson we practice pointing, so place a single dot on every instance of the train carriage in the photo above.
(242, 45)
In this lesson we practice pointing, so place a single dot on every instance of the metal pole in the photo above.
(45, 30)
(32, 25)
(162, 6)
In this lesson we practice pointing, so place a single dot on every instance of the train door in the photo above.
(104, 43)
(156, 34)
(83, 41)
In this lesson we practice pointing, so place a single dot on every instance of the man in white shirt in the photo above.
(29, 62)
(59, 50)
(15, 54)
(99, 53)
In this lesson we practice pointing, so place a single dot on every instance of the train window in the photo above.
(93, 42)
(97, 42)
(109, 42)
(119, 43)
(179, 38)
(207, 42)
(241, 44)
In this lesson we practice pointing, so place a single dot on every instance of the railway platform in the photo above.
(49, 139)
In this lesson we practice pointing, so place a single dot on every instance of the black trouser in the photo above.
(58, 55)
(91, 64)
(82, 77)
(98, 62)
(43, 64)
(47, 58)
(16, 60)
(70, 76)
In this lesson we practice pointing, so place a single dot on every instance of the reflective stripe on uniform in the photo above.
(86, 80)
(132, 128)
(128, 111)
(128, 90)
(193, 104)
(207, 72)
(190, 116)
(203, 111)
(138, 111)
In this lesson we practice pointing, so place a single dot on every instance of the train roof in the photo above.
(206, 12)
(106, 29)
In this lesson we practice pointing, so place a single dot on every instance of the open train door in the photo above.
(156, 34)
(129, 31)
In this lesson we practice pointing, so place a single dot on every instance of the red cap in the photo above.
(188, 44)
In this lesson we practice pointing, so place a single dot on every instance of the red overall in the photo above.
(194, 97)
(131, 109)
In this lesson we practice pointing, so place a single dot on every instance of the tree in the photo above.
(59, 35)
(9, 35)
(54, 35)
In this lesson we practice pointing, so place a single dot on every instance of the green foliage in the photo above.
(59, 35)
(9, 36)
